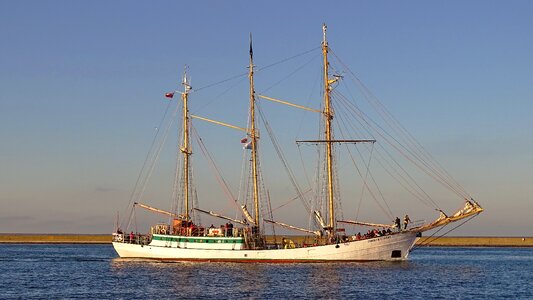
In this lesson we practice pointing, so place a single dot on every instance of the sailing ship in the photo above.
(245, 240)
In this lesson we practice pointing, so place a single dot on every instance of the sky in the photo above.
(82, 85)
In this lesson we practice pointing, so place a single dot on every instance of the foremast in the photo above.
(328, 117)
(185, 147)
(253, 138)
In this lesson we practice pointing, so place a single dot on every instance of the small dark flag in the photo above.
(244, 140)
(169, 95)
(251, 51)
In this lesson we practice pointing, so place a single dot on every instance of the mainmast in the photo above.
(253, 137)
(185, 148)
(328, 116)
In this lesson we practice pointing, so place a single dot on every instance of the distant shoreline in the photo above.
(26, 238)
(29, 238)
(476, 242)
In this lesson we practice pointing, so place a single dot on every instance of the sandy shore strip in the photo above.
(12, 238)
(476, 241)
(23, 238)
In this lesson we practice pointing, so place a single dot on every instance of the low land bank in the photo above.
(477, 241)
(8, 238)
(424, 241)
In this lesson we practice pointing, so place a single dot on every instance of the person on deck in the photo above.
(230, 229)
(398, 225)
(406, 221)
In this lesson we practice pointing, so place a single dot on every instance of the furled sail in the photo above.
(157, 210)
(319, 219)
(247, 215)
(315, 232)
(243, 222)
(471, 208)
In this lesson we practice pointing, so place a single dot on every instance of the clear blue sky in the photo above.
(81, 85)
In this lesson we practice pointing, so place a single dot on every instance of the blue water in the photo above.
(94, 271)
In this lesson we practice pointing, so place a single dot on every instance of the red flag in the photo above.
(169, 95)
(244, 140)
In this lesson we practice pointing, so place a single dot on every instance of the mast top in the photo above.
(324, 28)
(185, 82)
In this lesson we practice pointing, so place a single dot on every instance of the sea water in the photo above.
(95, 271)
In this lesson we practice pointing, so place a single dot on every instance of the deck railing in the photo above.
(141, 239)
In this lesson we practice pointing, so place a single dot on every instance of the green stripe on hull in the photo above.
(203, 239)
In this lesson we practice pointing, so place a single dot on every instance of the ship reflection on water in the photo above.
(317, 280)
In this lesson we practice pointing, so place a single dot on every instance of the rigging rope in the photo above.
(258, 69)
(364, 184)
(177, 193)
(242, 196)
(140, 177)
(271, 216)
(385, 136)
(289, 58)
(289, 75)
(427, 241)
(220, 82)
(216, 170)
(415, 192)
(387, 211)
(415, 148)
(156, 155)
(290, 201)
(283, 159)
(209, 102)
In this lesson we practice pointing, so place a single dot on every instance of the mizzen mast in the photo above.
(185, 148)
(328, 116)
(253, 137)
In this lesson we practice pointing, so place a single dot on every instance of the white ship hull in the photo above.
(385, 248)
